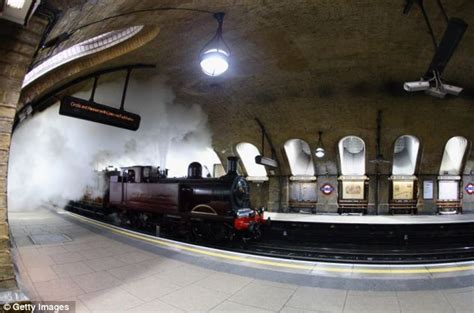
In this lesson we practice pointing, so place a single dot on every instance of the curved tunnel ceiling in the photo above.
(313, 49)
(305, 65)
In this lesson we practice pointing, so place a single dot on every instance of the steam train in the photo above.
(214, 209)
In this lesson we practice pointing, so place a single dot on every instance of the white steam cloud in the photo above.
(53, 157)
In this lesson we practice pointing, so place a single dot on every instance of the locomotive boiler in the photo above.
(205, 208)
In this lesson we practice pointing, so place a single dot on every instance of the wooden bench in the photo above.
(402, 206)
(448, 206)
(302, 206)
(352, 206)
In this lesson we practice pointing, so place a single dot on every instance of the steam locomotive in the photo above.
(213, 209)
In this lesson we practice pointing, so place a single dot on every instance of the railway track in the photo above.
(362, 255)
(334, 252)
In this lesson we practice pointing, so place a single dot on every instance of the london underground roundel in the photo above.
(326, 189)
(469, 188)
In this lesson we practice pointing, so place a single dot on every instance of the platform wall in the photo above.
(328, 203)
(468, 200)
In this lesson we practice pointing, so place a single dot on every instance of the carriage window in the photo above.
(352, 155)
(247, 153)
(405, 154)
(453, 155)
(299, 157)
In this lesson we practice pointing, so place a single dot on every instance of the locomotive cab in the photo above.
(137, 174)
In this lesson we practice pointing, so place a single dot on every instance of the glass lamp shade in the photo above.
(214, 62)
(319, 152)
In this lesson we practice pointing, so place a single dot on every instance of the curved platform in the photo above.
(371, 219)
(101, 267)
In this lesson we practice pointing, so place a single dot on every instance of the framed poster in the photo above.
(428, 189)
(353, 190)
(402, 190)
(448, 190)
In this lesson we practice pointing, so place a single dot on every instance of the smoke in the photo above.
(53, 157)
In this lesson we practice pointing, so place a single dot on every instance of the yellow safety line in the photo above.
(283, 264)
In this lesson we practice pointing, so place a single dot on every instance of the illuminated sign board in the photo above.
(91, 111)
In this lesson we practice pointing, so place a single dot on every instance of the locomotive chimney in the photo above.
(232, 165)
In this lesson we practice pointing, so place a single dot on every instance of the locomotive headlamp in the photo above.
(215, 54)
(319, 152)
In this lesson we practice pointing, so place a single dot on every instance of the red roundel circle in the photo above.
(327, 189)
(469, 188)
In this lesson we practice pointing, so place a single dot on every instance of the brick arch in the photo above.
(86, 64)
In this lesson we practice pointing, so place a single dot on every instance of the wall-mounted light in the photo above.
(215, 54)
(319, 152)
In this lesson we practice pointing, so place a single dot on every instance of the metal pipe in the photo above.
(94, 87)
(280, 183)
(428, 24)
(129, 70)
(443, 11)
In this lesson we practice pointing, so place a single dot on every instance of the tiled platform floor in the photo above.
(104, 274)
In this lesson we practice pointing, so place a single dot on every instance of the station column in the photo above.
(17, 46)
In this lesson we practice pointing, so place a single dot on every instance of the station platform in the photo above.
(371, 219)
(65, 257)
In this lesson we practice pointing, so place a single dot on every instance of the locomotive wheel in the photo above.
(258, 233)
(211, 232)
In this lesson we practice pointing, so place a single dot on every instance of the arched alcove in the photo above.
(450, 171)
(247, 153)
(404, 185)
(453, 155)
(405, 154)
(352, 155)
(299, 158)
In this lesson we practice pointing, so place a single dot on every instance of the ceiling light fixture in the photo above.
(319, 152)
(215, 54)
(16, 4)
